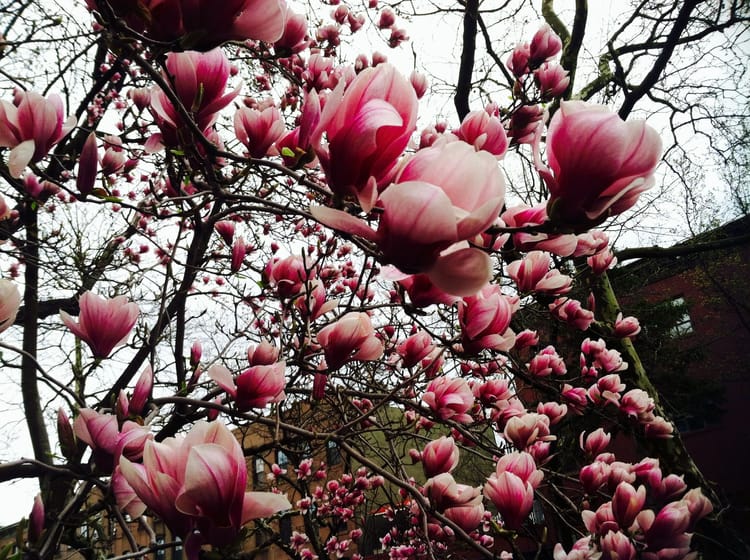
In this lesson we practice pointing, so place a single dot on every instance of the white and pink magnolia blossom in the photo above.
(197, 482)
(460, 503)
(485, 320)
(450, 399)
(30, 127)
(352, 337)
(599, 164)
(258, 130)
(626, 327)
(511, 488)
(572, 312)
(102, 323)
(484, 132)
(255, 387)
(440, 456)
(532, 273)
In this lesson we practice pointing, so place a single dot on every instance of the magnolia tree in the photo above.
(226, 238)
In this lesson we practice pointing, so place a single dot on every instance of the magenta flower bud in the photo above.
(263, 354)
(526, 339)
(387, 18)
(142, 392)
(512, 497)
(551, 79)
(88, 164)
(36, 519)
(594, 476)
(571, 312)
(544, 45)
(415, 348)
(440, 456)
(355, 21)
(196, 352)
(619, 164)
(419, 83)
(484, 132)
(596, 442)
(239, 250)
(518, 61)
(65, 435)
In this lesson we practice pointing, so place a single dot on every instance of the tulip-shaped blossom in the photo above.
(533, 274)
(142, 392)
(287, 275)
(627, 503)
(367, 127)
(627, 327)
(294, 39)
(485, 320)
(199, 81)
(415, 348)
(439, 456)
(202, 24)
(10, 301)
(571, 311)
(30, 126)
(107, 442)
(429, 214)
(258, 130)
(450, 398)
(350, 338)
(484, 132)
(253, 388)
(527, 429)
(551, 79)
(511, 493)
(544, 45)
(599, 164)
(263, 354)
(460, 503)
(102, 323)
(198, 482)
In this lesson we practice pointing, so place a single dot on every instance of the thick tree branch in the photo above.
(468, 51)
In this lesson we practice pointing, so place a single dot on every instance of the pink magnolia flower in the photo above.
(415, 348)
(526, 429)
(450, 398)
(367, 127)
(350, 338)
(594, 443)
(263, 354)
(141, 392)
(518, 60)
(258, 130)
(10, 301)
(429, 215)
(287, 275)
(294, 38)
(203, 24)
(571, 311)
(627, 327)
(512, 497)
(485, 320)
(547, 362)
(36, 519)
(602, 261)
(484, 132)
(522, 465)
(616, 545)
(30, 126)
(102, 323)
(253, 388)
(419, 83)
(551, 79)
(544, 45)
(533, 274)
(107, 442)
(460, 503)
(199, 81)
(198, 482)
(439, 456)
(522, 215)
(627, 503)
(423, 293)
(599, 164)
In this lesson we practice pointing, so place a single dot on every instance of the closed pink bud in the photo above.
(196, 352)
(440, 456)
(619, 163)
(239, 250)
(226, 230)
(258, 130)
(36, 519)
(450, 399)
(355, 21)
(10, 301)
(102, 323)
(263, 354)
(141, 97)
(88, 164)
(518, 61)
(594, 476)
(419, 83)
(627, 503)
(65, 435)
(551, 79)
(627, 327)
(142, 392)
(544, 45)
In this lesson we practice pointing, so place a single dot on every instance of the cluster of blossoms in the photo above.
(434, 216)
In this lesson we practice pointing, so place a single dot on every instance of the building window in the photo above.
(682, 324)
(333, 453)
(177, 554)
(259, 471)
(281, 459)
(161, 553)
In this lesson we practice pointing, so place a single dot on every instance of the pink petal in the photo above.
(461, 273)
